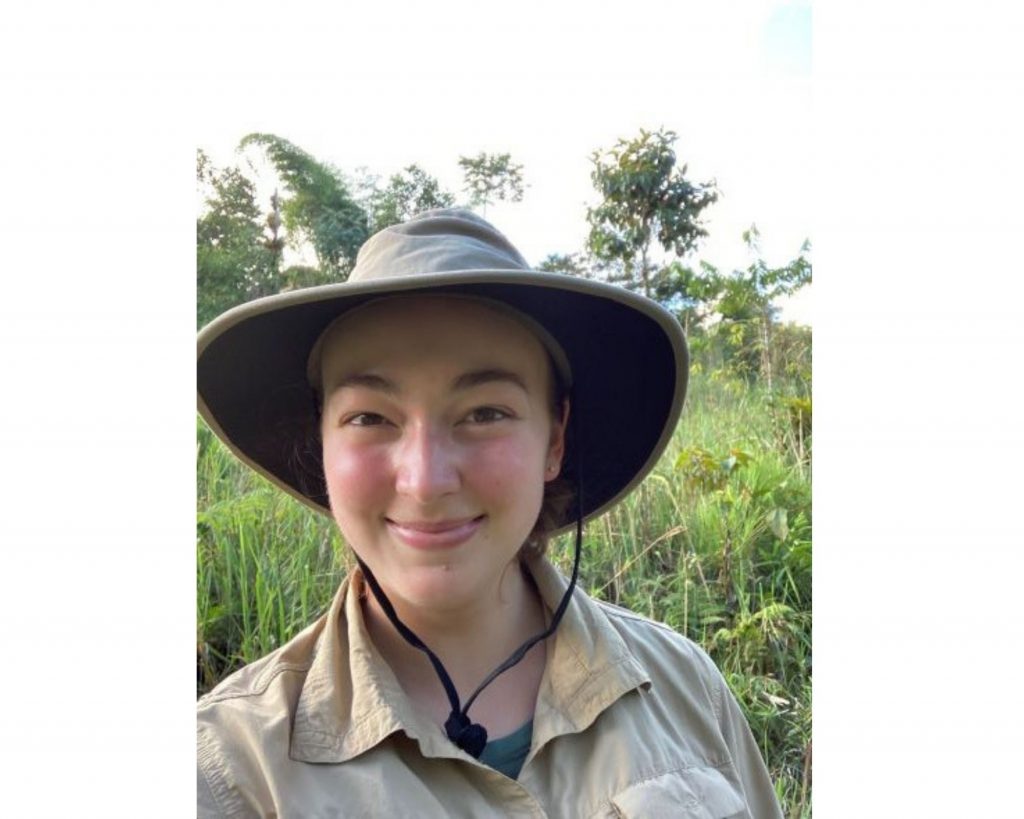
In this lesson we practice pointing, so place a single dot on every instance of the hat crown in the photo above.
(436, 241)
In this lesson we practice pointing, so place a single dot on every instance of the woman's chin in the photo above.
(439, 589)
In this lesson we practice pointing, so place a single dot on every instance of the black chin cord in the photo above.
(471, 737)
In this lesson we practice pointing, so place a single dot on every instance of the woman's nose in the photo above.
(427, 466)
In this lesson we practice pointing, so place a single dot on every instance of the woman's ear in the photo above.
(556, 445)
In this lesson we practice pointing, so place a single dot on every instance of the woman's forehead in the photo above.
(447, 334)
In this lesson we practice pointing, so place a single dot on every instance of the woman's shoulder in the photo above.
(256, 679)
(241, 722)
(662, 650)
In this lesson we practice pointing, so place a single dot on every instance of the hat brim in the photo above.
(628, 357)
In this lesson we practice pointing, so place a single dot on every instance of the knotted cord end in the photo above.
(469, 736)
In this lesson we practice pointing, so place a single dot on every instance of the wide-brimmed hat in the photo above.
(626, 354)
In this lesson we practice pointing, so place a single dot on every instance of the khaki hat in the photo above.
(626, 356)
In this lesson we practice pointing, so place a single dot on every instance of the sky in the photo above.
(732, 80)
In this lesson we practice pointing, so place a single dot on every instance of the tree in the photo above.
(234, 260)
(748, 303)
(645, 197)
(689, 293)
(571, 264)
(320, 209)
(409, 192)
(491, 178)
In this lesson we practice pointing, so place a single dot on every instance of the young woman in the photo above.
(452, 409)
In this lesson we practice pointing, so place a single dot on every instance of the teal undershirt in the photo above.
(507, 754)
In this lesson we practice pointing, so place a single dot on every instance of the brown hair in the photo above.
(559, 492)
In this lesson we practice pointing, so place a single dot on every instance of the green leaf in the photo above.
(778, 523)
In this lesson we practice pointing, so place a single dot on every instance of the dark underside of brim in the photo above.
(624, 374)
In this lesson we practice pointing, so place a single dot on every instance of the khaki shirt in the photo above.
(632, 720)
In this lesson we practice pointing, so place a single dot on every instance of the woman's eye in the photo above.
(486, 415)
(366, 419)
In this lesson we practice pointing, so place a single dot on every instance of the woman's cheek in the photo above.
(356, 477)
(508, 466)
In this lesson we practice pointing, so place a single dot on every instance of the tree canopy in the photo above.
(645, 198)
(407, 193)
(320, 207)
(491, 178)
(233, 262)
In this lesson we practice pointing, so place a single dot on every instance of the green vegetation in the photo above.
(645, 199)
(491, 178)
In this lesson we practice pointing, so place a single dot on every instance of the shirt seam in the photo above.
(608, 802)
(336, 741)
(208, 760)
(717, 680)
(615, 611)
(261, 684)
(213, 791)
(588, 680)
(716, 700)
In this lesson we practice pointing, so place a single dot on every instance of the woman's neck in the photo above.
(471, 643)
(470, 640)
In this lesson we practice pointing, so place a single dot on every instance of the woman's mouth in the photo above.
(444, 534)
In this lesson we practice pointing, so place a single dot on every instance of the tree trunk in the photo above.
(644, 273)
(766, 356)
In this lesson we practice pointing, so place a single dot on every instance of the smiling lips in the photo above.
(443, 534)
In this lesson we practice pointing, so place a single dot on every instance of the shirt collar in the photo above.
(589, 665)
(351, 700)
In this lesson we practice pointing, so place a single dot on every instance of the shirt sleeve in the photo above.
(217, 795)
(757, 785)
(206, 805)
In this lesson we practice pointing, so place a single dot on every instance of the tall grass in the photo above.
(266, 566)
(716, 542)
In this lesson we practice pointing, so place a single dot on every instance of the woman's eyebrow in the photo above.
(476, 377)
(467, 380)
(368, 380)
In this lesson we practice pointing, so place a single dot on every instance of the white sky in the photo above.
(732, 79)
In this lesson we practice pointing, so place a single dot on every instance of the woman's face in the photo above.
(438, 436)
